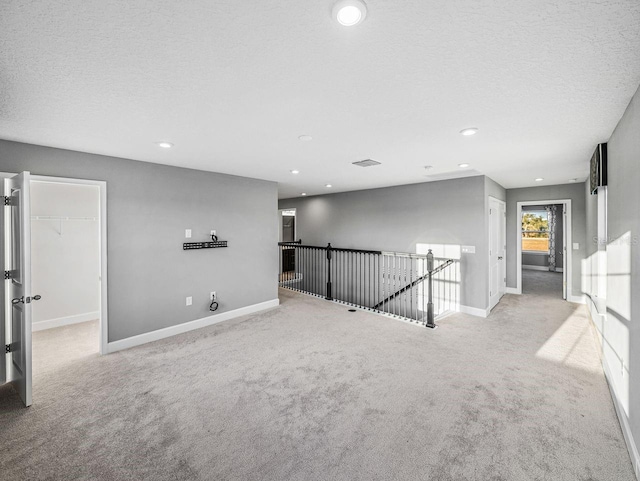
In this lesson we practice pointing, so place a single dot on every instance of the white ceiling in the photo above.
(233, 84)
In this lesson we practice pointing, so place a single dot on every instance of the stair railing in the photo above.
(390, 283)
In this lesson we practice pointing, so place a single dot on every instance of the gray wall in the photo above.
(398, 218)
(575, 192)
(493, 189)
(149, 208)
(623, 261)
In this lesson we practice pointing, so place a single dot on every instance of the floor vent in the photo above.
(366, 163)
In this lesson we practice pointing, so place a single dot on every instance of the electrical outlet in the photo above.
(187, 233)
(212, 295)
(213, 232)
(189, 301)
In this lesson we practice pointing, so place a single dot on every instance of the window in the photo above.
(535, 231)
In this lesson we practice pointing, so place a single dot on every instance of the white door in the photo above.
(564, 251)
(20, 297)
(497, 264)
(3, 303)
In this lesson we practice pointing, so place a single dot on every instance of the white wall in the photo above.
(615, 262)
(65, 254)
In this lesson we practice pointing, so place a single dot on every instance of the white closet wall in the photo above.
(65, 253)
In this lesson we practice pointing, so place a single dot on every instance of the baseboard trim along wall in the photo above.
(189, 326)
(577, 299)
(474, 311)
(64, 321)
(535, 268)
(541, 268)
(622, 418)
(512, 290)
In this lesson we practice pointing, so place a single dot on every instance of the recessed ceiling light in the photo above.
(305, 138)
(349, 12)
(295, 171)
(539, 179)
(573, 180)
(164, 145)
(303, 194)
(328, 186)
(469, 131)
(463, 166)
(427, 167)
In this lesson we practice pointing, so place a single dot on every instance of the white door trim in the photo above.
(568, 242)
(104, 320)
(503, 283)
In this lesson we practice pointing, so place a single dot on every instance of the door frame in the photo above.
(295, 224)
(503, 283)
(102, 185)
(568, 243)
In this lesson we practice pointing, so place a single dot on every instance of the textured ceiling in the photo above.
(233, 84)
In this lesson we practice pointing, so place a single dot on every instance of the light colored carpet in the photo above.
(309, 391)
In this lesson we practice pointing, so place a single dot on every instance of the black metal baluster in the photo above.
(329, 297)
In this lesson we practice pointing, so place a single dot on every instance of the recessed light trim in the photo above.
(305, 138)
(164, 144)
(539, 179)
(328, 186)
(469, 131)
(573, 180)
(463, 166)
(303, 194)
(349, 13)
(294, 171)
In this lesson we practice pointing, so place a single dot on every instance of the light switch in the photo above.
(468, 249)
(576, 246)
(187, 233)
(189, 301)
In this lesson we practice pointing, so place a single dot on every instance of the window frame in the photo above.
(522, 232)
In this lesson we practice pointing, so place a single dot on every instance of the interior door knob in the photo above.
(499, 258)
(36, 297)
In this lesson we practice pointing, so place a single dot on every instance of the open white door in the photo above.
(20, 297)
(3, 300)
(497, 264)
(564, 252)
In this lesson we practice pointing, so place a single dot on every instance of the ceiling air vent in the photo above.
(366, 163)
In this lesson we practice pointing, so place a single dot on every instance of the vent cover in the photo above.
(366, 163)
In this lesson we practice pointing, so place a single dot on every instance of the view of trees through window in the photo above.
(535, 231)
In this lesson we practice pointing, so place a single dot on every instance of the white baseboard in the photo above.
(536, 268)
(577, 299)
(474, 311)
(188, 326)
(541, 268)
(513, 290)
(64, 321)
(624, 422)
(622, 417)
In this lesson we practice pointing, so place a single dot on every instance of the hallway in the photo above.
(542, 283)
(309, 391)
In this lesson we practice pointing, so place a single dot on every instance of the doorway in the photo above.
(287, 225)
(63, 236)
(543, 259)
(65, 272)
